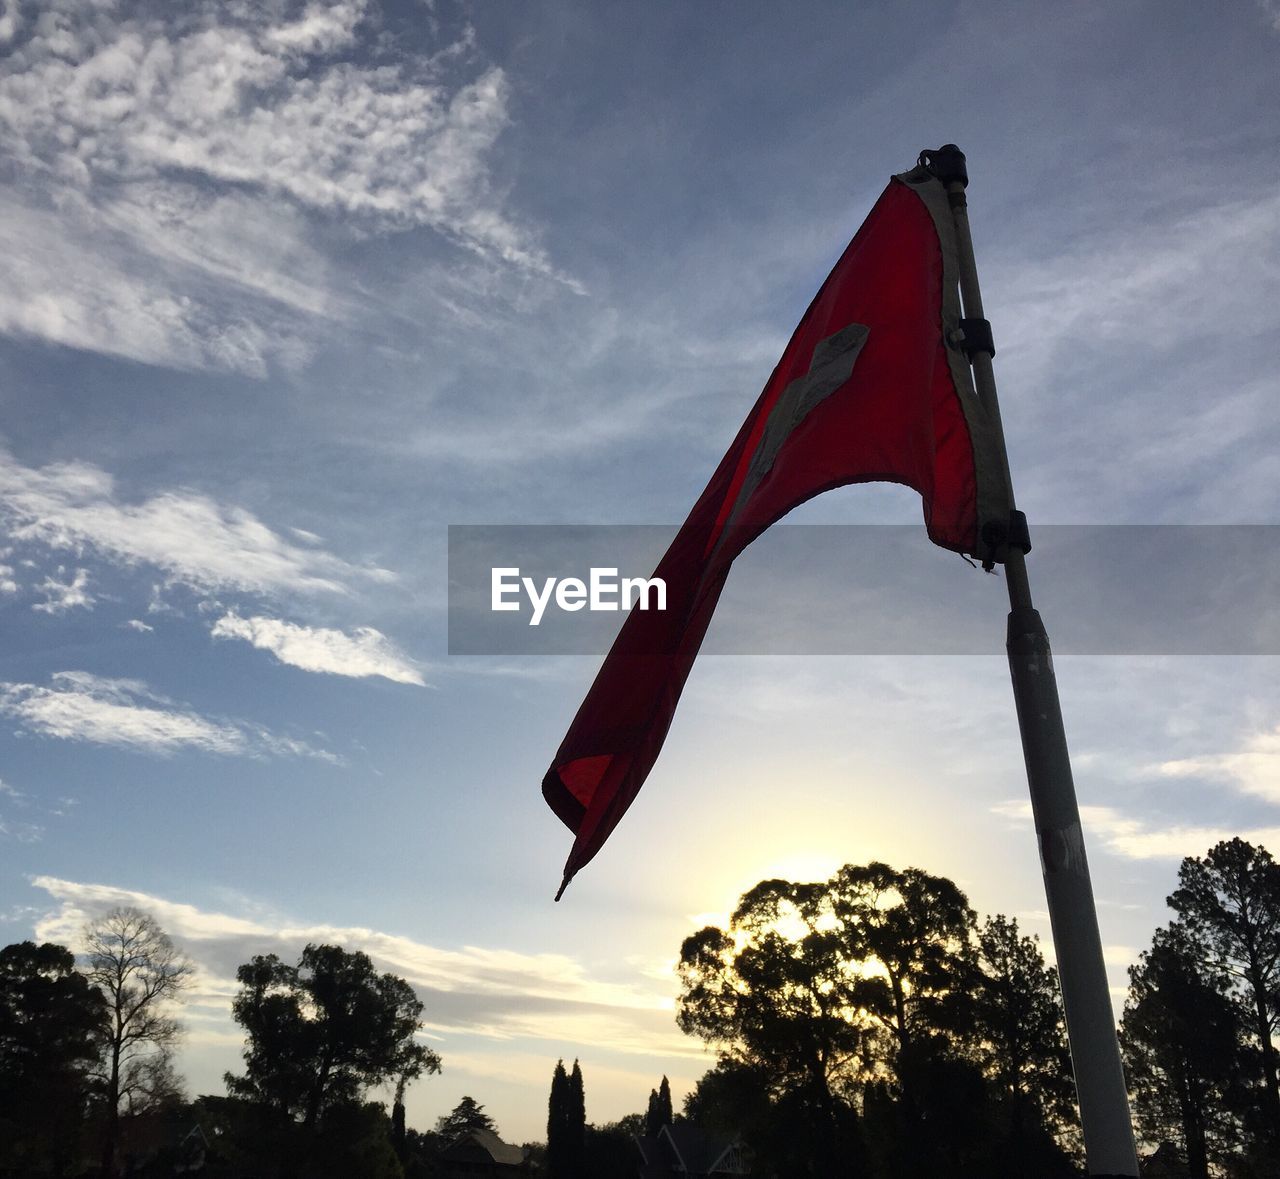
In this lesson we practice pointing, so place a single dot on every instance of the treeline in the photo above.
(87, 1084)
(871, 1026)
(868, 1026)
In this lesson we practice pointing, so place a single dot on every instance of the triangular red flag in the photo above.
(874, 385)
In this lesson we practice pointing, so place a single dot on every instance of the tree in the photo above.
(919, 929)
(1229, 903)
(866, 992)
(781, 943)
(467, 1115)
(558, 1124)
(1181, 1038)
(323, 1032)
(576, 1123)
(52, 1028)
(610, 1150)
(1019, 1028)
(659, 1113)
(397, 1119)
(784, 995)
(566, 1123)
(140, 973)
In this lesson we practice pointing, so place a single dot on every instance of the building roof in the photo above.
(684, 1149)
(488, 1142)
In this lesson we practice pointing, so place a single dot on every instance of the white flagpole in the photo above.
(1095, 1050)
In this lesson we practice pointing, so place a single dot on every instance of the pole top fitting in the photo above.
(947, 163)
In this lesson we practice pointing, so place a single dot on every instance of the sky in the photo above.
(293, 287)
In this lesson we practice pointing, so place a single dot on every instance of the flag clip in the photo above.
(947, 163)
(1011, 535)
(977, 337)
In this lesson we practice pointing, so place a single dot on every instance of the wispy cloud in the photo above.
(364, 652)
(61, 596)
(79, 706)
(1254, 769)
(191, 537)
(1271, 10)
(174, 156)
(497, 994)
(1116, 291)
(1138, 839)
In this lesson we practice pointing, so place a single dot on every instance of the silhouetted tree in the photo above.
(781, 944)
(566, 1124)
(785, 995)
(140, 973)
(397, 1119)
(52, 1028)
(466, 1116)
(559, 1126)
(659, 1113)
(868, 990)
(1181, 1038)
(577, 1123)
(609, 1151)
(324, 1031)
(1229, 903)
(1019, 1032)
(919, 929)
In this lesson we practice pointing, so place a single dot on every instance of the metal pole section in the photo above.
(1095, 1050)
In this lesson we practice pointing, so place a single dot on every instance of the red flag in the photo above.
(872, 386)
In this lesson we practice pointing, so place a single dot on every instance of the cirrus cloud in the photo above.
(125, 713)
(182, 167)
(364, 652)
(191, 537)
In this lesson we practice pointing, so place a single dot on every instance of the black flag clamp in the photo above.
(947, 163)
(975, 337)
(998, 537)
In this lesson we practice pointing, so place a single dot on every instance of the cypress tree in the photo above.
(659, 1112)
(576, 1123)
(664, 1103)
(558, 1145)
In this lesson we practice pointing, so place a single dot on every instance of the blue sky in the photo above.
(290, 288)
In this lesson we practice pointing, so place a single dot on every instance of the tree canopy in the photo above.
(875, 991)
(466, 1116)
(566, 1124)
(1229, 905)
(324, 1031)
(140, 973)
(1181, 1038)
(53, 1027)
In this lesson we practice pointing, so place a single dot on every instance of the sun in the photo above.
(803, 867)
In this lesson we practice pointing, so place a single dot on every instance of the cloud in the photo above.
(193, 538)
(1134, 839)
(1271, 10)
(11, 829)
(123, 278)
(22, 832)
(1255, 769)
(496, 994)
(125, 713)
(61, 596)
(365, 652)
(1096, 313)
(176, 163)
(136, 624)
